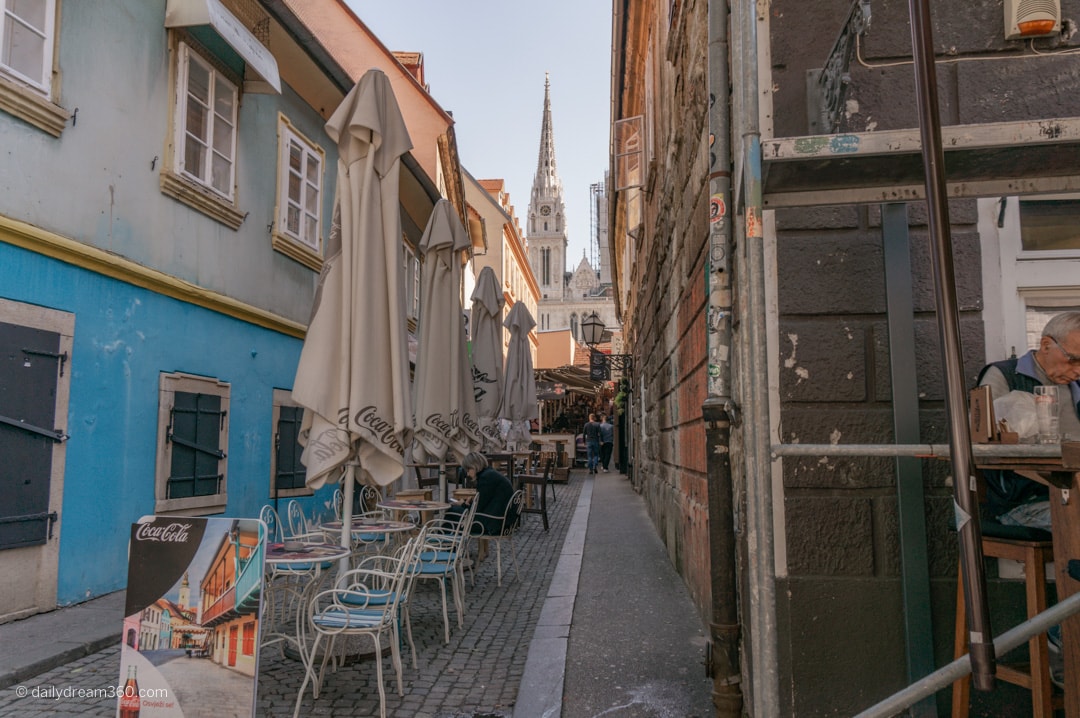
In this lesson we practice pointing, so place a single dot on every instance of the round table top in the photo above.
(277, 553)
(413, 505)
(371, 526)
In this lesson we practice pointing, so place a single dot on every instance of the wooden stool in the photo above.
(1035, 676)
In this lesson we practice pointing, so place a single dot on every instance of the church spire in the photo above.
(546, 183)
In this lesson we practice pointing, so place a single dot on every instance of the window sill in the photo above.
(298, 252)
(32, 108)
(290, 493)
(194, 506)
(201, 200)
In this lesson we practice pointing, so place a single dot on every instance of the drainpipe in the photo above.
(761, 568)
(724, 632)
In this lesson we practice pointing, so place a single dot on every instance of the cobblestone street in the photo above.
(477, 674)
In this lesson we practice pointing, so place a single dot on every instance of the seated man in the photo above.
(1012, 499)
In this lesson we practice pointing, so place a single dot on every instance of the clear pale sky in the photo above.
(484, 61)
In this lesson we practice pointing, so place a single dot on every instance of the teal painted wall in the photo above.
(125, 337)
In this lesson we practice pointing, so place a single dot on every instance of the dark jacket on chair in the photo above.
(493, 492)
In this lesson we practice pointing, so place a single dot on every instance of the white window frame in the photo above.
(285, 240)
(168, 386)
(288, 140)
(1034, 284)
(412, 282)
(186, 57)
(43, 82)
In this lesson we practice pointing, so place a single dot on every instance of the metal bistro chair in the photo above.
(507, 527)
(444, 543)
(365, 602)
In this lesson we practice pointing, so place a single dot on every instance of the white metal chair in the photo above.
(444, 544)
(507, 527)
(365, 602)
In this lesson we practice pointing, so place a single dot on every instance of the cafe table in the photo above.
(367, 531)
(294, 574)
(401, 507)
(1060, 470)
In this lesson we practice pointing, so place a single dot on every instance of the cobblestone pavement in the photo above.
(476, 675)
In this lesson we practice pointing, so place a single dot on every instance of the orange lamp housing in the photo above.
(1032, 18)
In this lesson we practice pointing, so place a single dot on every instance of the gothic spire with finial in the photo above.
(546, 183)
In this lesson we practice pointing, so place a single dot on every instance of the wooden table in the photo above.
(1063, 478)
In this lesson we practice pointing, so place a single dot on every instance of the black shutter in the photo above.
(195, 432)
(291, 473)
(29, 372)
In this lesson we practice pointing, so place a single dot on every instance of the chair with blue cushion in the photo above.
(444, 543)
(364, 602)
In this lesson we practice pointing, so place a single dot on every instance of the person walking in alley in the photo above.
(607, 441)
(592, 443)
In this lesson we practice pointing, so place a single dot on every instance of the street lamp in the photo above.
(601, 364)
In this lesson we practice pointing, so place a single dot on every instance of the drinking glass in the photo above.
(1046, 411)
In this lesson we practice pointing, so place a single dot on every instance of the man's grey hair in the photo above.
(1062, 326)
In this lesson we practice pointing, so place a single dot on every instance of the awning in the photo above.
(188, 13)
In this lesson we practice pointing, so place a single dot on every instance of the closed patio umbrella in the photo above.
(487, 356)
(353, 374)
(445, 420)
(519, 389)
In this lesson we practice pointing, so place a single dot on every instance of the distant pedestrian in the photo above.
(607, 441)
(592, 442)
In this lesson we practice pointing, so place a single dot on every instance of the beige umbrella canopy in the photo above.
(445, 420)
(519, 389)
(487, 356)
(353, 375)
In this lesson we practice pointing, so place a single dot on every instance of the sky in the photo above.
(484, 61)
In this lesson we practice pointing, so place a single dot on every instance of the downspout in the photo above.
(754, 373)
(724, 631)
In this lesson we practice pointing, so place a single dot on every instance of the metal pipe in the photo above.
(926, 451)
(950, 673)
(755, 385)
(967, 507)
(725, 666)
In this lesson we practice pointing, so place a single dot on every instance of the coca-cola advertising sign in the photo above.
(192, 618)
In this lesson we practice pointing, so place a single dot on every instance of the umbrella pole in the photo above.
(346, 513)
(442, 479)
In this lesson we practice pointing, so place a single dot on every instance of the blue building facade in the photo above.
(166, 194)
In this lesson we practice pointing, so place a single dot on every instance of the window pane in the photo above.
(31, 12)
(311, 200)
(198, 82)
(1049, 225)
(311, 232)
(223, 99)
(296, 157)
(222, 175)
(194, 157)
(223, 137)
(294, 189)
(196, 120)
(23, 50)
(292, 220)
(313, 170)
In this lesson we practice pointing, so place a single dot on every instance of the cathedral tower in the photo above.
(546, 224)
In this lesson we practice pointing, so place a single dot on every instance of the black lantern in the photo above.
(592, 329)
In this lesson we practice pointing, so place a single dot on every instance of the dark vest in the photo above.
(1004, 489)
